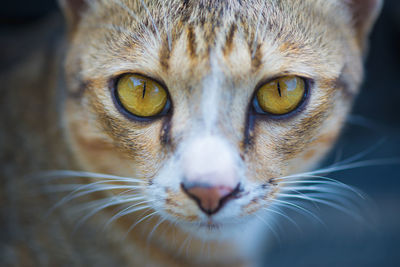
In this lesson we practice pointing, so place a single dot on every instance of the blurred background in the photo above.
(342, 240)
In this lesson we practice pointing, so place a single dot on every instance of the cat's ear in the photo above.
(365, 13)
(72, 10)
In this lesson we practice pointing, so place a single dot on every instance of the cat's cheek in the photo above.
(311, 156)
(320, 145)
(93, 150)
(262, 159)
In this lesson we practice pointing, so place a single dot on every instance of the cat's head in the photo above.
(210, 102)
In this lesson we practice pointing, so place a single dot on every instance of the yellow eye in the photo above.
(141, 96)
(282, 95)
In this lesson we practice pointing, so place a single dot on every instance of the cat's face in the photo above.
(211, 158)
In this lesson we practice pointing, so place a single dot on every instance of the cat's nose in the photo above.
(210, 198)
(210, 171)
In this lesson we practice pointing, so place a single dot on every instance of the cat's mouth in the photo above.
(211, 225)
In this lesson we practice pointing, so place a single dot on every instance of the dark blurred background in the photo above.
(343, 241)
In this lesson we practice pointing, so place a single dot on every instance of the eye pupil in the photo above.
(144, 89)
(279, 89)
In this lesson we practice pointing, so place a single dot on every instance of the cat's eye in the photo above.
(141, 96)
(280, 96)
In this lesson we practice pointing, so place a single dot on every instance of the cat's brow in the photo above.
(229, 40)
(164, 56)
(191, 41)
(256, 61)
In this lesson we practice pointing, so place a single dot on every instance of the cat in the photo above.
(180, 127)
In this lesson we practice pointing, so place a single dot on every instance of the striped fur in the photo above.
(211, 55)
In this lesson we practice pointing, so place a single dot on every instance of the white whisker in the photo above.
(139, 221)
(60, 174)
(297, 192)
(128, 10)
(297, 208)
(364, 122)
(58, 188)
(338, 155)
(79, 192)
(102, 207)
(128, 210)
(119, 29)
(129, 191)
(269, 226)
(353, 203)
(109, 201)
(283, 215)
(355, 165)
(326, 188)
(160, 221)
(183, 244)
(152, 20)
(167, 28)
(325, 202)
(362, 154)
(255, 40)
(188, 246)
(325, 181)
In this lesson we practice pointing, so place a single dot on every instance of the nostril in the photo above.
(210, 199)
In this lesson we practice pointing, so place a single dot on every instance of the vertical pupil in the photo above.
(144, 89)
(279, 90)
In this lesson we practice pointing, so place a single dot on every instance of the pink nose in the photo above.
(210, 198)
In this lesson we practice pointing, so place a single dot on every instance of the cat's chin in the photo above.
(209, 232)
(214, 230)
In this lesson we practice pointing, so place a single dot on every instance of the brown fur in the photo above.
(78, 126)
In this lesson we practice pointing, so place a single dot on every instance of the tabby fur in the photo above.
(58, 114)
